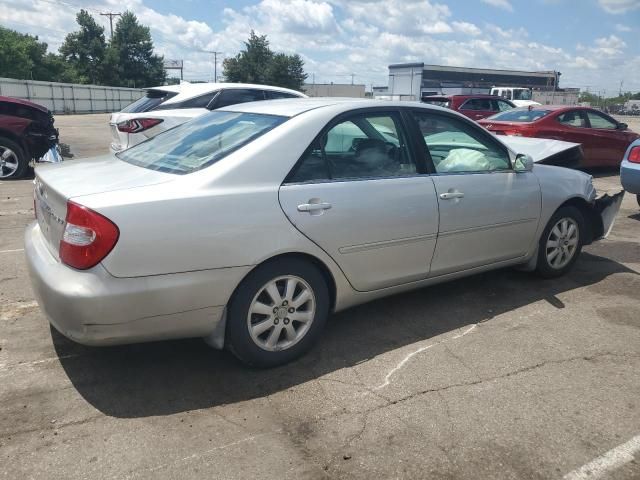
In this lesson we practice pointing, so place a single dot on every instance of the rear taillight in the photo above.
(138, 125)
(634, 155)
(88, 237)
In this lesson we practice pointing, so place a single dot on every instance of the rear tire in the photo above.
(277, 313)
(13, 160)
(561, 242)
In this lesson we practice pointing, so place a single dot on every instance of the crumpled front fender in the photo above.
(604, 212)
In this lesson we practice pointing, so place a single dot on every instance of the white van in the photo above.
(521, 97)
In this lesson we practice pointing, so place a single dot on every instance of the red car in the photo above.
(473, 106)
(604, 140)
(26, 133)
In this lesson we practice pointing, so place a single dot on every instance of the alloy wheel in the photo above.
(8, 162)
(562, 243)
(281, 313)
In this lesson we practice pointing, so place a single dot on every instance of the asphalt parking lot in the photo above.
(498, 376)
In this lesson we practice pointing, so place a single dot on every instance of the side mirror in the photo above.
(523, 163)
(622, 126)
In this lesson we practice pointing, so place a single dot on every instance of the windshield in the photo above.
(201, 142)
(519, 115)
(152, 99)
(521, 94)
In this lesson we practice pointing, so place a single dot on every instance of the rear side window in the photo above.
(573, 118)
(520, 115)
(274, 95)
(201, 101)
(234, 96)
(151, 100)
(201, 142)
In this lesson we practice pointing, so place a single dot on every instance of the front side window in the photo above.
(362, 147)
(598, 120)
(521, 94)
(500, 106)
(456, 146)
(572, 118)
(238, 95)
(200, 142)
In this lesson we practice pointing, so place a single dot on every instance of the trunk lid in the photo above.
(55, 184)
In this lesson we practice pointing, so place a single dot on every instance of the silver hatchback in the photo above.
(249, 226)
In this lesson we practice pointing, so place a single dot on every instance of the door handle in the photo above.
(451, 195)
(314, 207)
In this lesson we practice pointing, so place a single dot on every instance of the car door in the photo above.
(488, 212)
(608, 143)
(359, 195)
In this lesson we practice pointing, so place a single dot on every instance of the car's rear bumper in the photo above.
(94, 308)
(630, 176)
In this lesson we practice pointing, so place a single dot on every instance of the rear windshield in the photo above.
(519, 115)
(151, 100)
(440, 102)
(200, 142)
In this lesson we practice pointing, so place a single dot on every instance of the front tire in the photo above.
(561, 242)
(277, 313)
(13, 161)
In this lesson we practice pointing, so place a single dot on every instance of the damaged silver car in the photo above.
(249, 225)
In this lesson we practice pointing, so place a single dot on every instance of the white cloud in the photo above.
(338, 37)
(466, 28)
(504, 4)
(622, 28)
(619, 6)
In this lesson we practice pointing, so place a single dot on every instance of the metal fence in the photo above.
(70, 97)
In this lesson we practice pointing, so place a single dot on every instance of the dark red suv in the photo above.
(473, 106)
(26, 133)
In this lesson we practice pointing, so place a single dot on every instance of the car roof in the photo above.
(294, 106)
(20, 101)
(186, 91)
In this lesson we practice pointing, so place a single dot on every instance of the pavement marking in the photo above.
(12, 251)
(612, 460)
(403, 362)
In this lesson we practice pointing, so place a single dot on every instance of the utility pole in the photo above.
(621, 83)
(352, 75)
(215, 63)
(111, 15)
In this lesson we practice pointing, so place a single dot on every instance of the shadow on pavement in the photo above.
(175, 376)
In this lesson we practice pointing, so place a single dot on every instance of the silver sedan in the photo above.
(249, 226)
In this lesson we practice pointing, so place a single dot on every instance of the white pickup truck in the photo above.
(520, 96)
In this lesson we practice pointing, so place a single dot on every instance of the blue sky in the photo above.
(594, 43)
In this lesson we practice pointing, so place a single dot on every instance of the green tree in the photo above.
(257, 63)
(129, 59)
(85, 50)
(287, 71)
(22, 56)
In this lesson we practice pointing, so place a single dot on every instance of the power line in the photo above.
(111, 15)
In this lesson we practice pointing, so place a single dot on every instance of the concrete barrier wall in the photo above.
(70, 97)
